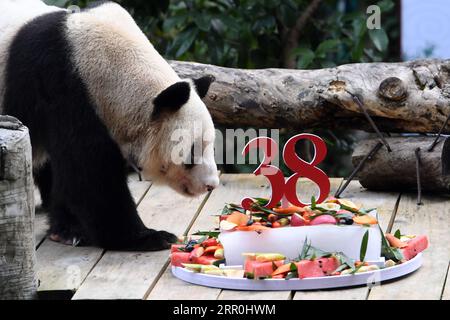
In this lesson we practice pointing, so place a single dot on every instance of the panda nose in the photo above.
(210, 188)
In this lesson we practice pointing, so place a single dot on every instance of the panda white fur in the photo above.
(93, 92)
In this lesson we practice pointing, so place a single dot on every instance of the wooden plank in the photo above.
(231, 189)
(356, 293)
(433, 220)
(138, 188)
(385, 203)
(170, 288)
(62, 267)
(130, 275)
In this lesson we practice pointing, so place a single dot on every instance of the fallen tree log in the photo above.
(401, 97)
(17, 248)
(396, 170)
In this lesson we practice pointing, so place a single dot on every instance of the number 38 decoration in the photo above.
(287, 187)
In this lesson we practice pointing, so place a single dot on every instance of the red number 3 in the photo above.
(281, 187)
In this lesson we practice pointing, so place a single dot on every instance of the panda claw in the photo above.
(74, 242)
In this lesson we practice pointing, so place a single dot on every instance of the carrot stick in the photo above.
(291, 209)
(252, 227)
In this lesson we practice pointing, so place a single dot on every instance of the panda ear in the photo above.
(202, 85)
(171, 99)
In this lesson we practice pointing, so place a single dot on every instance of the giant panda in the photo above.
(95, 93)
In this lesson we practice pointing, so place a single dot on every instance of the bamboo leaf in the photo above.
(363, 250)
(357, 268)
(341, 268)
(345, 260)
(263, 209)
(211, 234)
(293, 267)
(309, 252)
(305, 249)
(387, 252)
(219, 262)
(313, 202)
(291, 275)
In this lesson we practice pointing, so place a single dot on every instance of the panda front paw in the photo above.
(152, 240)
(169, 237)
(71, 234)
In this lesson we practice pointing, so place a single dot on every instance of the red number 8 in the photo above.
(305, 169)
(287, 188)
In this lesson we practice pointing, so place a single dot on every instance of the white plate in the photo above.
(365, 278)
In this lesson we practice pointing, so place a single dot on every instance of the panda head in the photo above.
(179, 150)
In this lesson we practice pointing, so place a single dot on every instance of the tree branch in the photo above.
(291, 39)
(400, 97)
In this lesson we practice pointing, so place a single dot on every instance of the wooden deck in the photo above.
(93, 273)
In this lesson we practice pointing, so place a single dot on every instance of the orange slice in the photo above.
(238, 218)
(365, 219)
(285, 268)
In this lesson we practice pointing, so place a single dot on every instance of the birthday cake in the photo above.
(336, 237)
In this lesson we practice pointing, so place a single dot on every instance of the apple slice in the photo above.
(298, 221)
(329, 206)
(227, 226)
(238, 218)
(349, 204)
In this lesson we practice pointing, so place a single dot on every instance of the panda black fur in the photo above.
(85, 117)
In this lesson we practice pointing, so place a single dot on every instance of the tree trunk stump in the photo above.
(396, 170)
(17, 245)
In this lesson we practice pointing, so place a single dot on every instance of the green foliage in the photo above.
(252, 33)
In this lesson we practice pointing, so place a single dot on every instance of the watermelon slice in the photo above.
(317, 268)
(414, 246)
(177, 247)
(328, 265)
(309, 269)
(256, 269)
(177, 258)
(206, 260)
